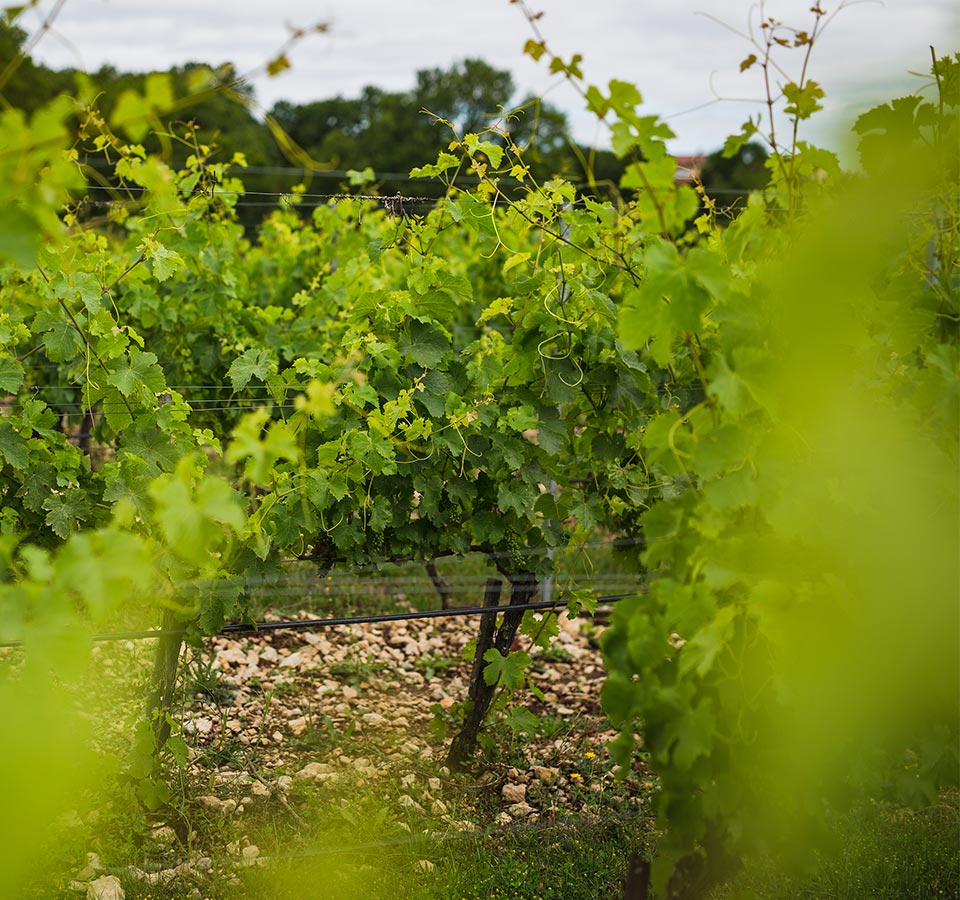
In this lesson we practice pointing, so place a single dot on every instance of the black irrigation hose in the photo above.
(310, 624)
(305, 624)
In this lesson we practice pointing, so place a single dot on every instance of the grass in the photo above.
(359, 838)
(888, 853)
(355, 840)
(553, 862)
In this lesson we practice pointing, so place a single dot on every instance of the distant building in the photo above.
(688, 168)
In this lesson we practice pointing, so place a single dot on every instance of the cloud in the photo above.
(679, 58)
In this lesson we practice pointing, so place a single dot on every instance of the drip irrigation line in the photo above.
(315, 624)
(308, 624)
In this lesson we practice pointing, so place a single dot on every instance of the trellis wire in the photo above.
(335, 621)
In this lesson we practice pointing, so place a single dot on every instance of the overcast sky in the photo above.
(672, 50)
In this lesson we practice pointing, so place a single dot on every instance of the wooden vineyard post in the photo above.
(481, 694)
(638, 878)
(164, 679)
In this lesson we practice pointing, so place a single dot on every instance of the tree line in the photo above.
(380, 135)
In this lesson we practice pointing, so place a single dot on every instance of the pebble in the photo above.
(294, 659)
(209, 803)
(514, 793)
(314, 771)
(298, 726)
(520, 810)
(90, 869)
(106, 887)
(395, 704)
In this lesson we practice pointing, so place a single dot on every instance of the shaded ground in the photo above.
(307, 745)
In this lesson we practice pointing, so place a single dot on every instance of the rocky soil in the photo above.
(276, 723)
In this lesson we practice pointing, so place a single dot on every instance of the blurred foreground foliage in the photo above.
(771, 407)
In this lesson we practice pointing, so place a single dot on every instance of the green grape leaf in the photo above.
(618, 697)
(699, 653)
(690, 734)
(19, 235)
(506, 670)
(534, 49)
(424, 344)
(158, 91)
(735, 142)
(191, 516)
(541, 630)
(444, 162)
(89, 289)
(130, 114)
(61, 340)
(11, 374)
(522, 721)
(178, 749)
(66, 510)
(516, 496)
(251, 364)
(142, 376)
(164, 261)
(803, 102)
(13, 447)
(493, 152)
(153, 793)
(104, 567)
(580, 600)
(215, 607)
(116, 409)
(261, 449)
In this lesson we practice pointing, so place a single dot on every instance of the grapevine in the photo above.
(187, 406)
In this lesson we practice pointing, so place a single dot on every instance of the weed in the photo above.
(432, 664)
(355, 671)
(228, 753)
(199, 677)
(321, 735)
(555, 653)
